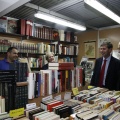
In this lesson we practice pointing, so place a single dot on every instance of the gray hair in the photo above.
(108, 44)
(48, 54)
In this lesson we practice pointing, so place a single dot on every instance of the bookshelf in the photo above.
(28, 47)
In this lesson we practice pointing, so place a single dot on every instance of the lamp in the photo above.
(101, 8)
(60, 21)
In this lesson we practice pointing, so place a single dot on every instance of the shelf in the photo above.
(35, 68)
(25, 37)
(11, 34)
(41, 39)
(67, 56)
(65, 42)
(31, 53)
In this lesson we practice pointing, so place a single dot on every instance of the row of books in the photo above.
(64, 49)
(4, 45)
(46, 82)
(12, 94)
(98, 107)
(27, 27)
(39, 114)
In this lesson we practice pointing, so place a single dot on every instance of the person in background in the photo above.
(50, 58)
(12, 56)
(109, 78)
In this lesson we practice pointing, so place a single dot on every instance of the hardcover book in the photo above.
(3, 25)
(12, 26)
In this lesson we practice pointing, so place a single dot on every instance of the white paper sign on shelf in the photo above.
(30, 106)
(67, 95)
(47, 98)
(58, 97)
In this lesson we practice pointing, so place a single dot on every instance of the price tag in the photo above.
(90, 87)
(75, 91)
(30, 106)
(16, 112)
(58, 97)
(47, 98)
(67, 96)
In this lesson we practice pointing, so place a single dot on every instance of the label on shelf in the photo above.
(58, 97)
(30, 106)
(16, 112)
(47, 98)
(67, 95)
(75, 91)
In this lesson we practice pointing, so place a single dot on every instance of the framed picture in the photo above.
(90, 49)
(101, 40)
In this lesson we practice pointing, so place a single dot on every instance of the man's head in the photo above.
(106, 49)
(50, 57)
(12, 54)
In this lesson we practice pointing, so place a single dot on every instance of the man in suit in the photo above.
(111, 71)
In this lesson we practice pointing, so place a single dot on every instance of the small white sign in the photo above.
(67, 96)
(30, 106)
(58, 97)
(47, 98)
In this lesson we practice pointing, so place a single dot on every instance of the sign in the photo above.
(30, 106)
(75, 91)
(47, 98)
(67, 95)
(58, 97)
(16, 112)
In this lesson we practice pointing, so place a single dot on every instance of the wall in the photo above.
(112, 34)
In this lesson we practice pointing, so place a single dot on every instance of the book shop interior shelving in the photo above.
(17, 38)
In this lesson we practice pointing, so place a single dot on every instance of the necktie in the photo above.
(102, 74)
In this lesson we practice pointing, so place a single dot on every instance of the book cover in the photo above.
(63, 64)
(49, 106)
(61, 68)
(12, 26)
(3, 25)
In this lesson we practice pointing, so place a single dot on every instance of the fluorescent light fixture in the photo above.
(101, 8)
(60, 21)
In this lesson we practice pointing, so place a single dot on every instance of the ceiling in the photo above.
(72, 9)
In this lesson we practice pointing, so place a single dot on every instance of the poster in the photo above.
(90, 49)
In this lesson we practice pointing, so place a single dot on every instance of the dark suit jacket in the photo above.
(45, 67)
(112, 75)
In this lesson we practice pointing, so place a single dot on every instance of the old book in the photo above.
(37, 114)
(53, 104)
(64, 112)
(3, 115)
(21, 26)
(81, 115)
(27, 111)
(90, 116)
(31, 83)
(12, 26)
(3, 25)
(63, 64)
(61, 68)
(31, 113)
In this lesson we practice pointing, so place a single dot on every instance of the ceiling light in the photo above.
(101, 8)
(60, 21)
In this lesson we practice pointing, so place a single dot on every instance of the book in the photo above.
(64, 64)
(21, 26)
(12, 26)
(4, 115)
(3, 25)
(90, 116)
(64, 112)
(53, 104)
(61, 68)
